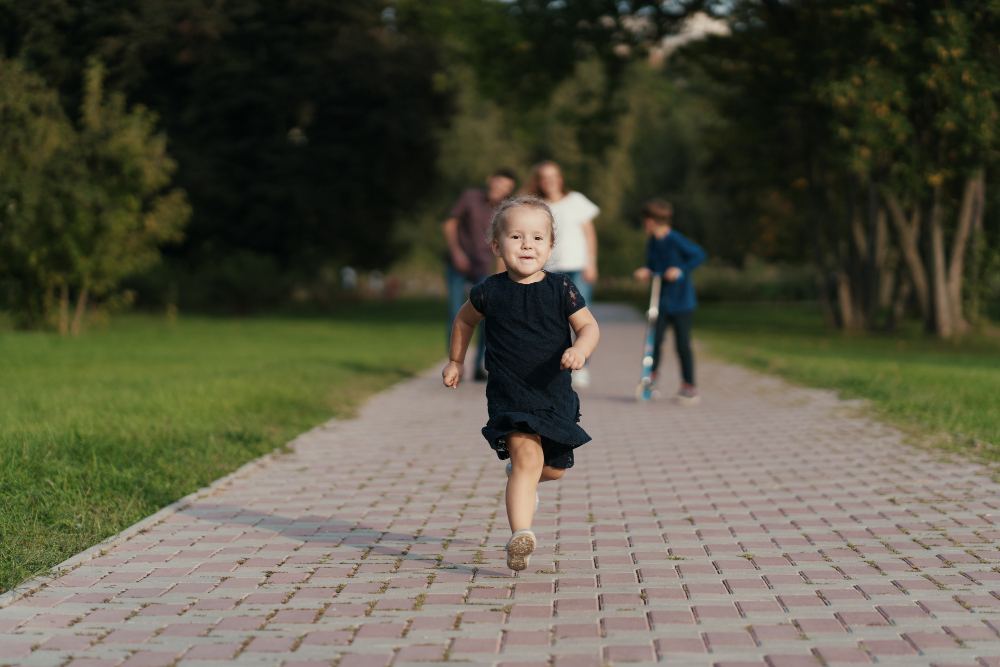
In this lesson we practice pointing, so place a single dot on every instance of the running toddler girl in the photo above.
(532, 406)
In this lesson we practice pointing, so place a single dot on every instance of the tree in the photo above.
(860, 113)
(919, 115)
(301, 129)
(36, 166)
(123, 211)
(81, 209)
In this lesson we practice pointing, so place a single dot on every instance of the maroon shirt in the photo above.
(474, 213)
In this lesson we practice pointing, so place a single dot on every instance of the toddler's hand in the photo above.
(572, 359)
(672, 274)
(641, 274)
(452, 374)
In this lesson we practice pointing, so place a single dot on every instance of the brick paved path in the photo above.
(767, 526)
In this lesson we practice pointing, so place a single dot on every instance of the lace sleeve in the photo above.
(477, 297)
(572, 299)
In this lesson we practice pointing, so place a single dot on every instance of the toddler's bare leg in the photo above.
(550, 474)
(527, 461)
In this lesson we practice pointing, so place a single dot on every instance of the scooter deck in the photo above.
(645, 391)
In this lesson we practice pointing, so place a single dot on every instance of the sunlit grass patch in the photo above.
(100, 431)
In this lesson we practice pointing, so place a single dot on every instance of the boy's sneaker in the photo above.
(520, 546)
(509, 464)
(581, 378)
(688, 395)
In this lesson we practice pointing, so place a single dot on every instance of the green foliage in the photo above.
(81, 208)
(100, 432)
(521, 50)
(649, 146)
(919, 103)
(301, 128)
(842, 116)
(36, 166)
(124, 215)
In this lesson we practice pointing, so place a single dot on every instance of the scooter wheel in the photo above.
(640, 393)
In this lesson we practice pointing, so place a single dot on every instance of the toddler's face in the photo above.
(526, 243)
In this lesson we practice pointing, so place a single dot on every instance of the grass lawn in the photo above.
(950, 387)
(98, 432)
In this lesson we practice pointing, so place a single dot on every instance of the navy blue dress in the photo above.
(527, 332)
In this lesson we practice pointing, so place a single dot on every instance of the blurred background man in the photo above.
(470, 258)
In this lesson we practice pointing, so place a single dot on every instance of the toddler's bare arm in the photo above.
(461, 334)
(587, 335)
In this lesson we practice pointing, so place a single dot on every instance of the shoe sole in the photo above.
(519, 551)
(688, 400)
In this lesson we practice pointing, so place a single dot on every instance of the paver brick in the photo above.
(728, 639)
(212, 652)
(150, 659)
(124, 636)
(630, 654)
(419, 654)
(861, 618)
(842, 654)
(972, 633)
(365, 660)
(270, 645)
(879, 647)
(576, 630)
(475, 645)
(328, 638)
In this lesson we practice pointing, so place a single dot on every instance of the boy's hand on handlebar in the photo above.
(672, 274)
(572, 359)
(642, 274)
(452, 374)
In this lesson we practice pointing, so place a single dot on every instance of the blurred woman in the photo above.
(575, 251)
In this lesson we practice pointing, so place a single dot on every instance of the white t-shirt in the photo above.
(570, 252)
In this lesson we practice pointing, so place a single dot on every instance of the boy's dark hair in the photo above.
(659, 210)
(505, 173)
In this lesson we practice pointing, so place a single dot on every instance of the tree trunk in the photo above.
(976, 250)
(903, 290)
(845, 301)
(873, 261)
(856, 255)
(909, 233)
(81, 306)
(943, 324)
(819, 256)
(63, 309)
(971, 208)
(879, 235)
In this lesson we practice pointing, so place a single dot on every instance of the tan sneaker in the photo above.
(520, 546)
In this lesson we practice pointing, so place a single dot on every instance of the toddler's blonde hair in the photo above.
(499, 222)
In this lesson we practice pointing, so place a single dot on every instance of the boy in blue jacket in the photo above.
(669, 253)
